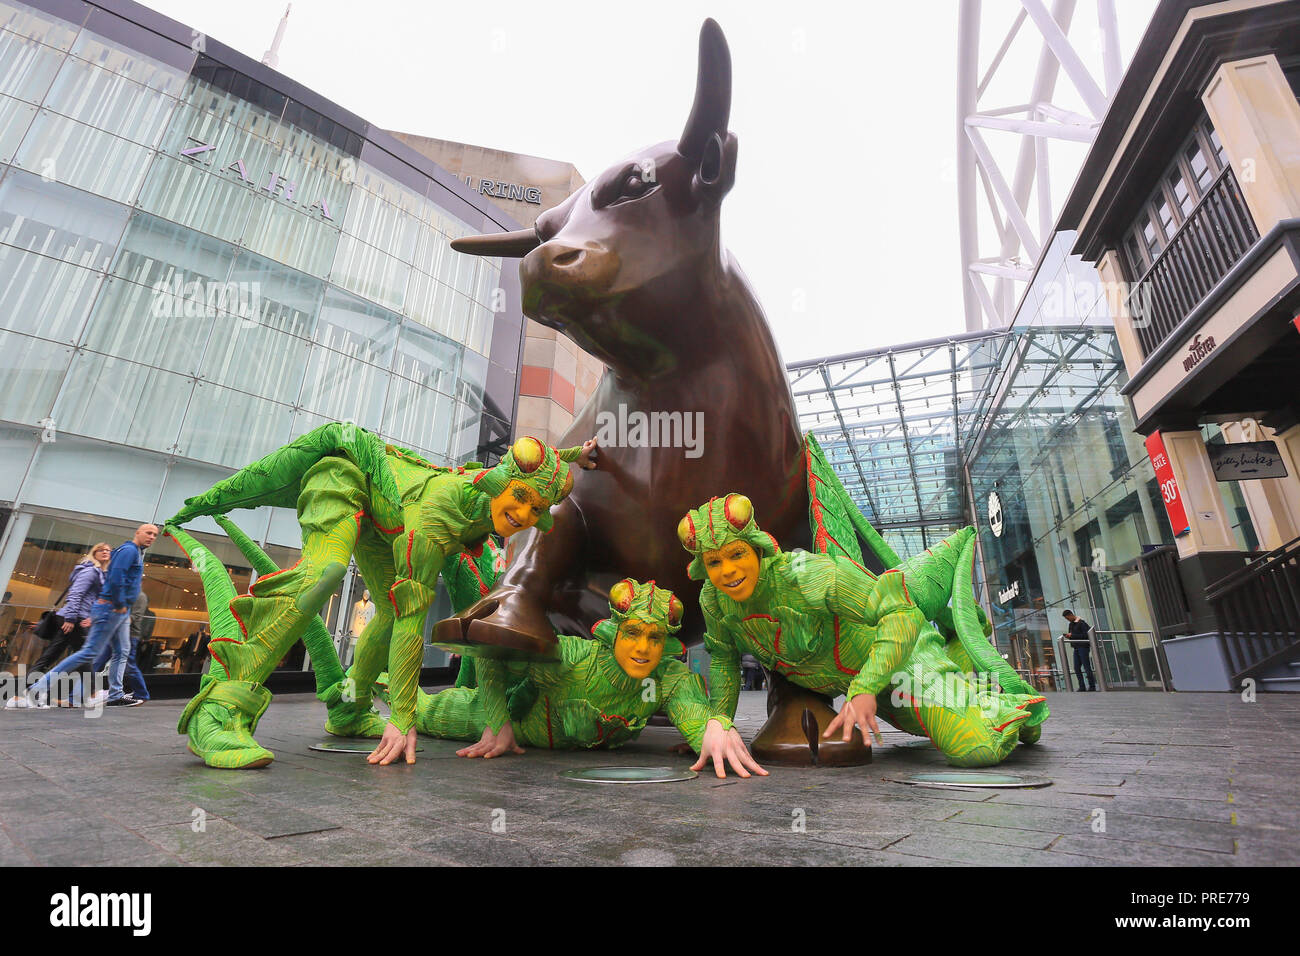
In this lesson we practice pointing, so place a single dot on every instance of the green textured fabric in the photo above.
(826, 624)
(586, 701)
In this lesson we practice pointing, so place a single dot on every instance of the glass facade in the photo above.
(196, 269)
(1064, 496)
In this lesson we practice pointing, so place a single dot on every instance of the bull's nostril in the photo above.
(569, 258)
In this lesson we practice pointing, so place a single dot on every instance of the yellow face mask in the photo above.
(516, 509)
(733, 569)
(638, 647)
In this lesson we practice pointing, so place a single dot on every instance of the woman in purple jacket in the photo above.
(84, 584)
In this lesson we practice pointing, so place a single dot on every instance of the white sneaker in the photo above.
(95, 699)
(17, 703)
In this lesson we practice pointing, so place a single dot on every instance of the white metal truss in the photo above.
(995, 268)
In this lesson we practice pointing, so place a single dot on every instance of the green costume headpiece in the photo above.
(718, 523)
(539, 466)
(646, 602)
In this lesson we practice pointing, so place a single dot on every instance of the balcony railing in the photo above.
(1258, 611)
(1211, 240)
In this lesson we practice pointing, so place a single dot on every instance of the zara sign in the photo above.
(275, 183)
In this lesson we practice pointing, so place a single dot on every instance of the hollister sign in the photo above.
(1246, 461)
(1197, 351)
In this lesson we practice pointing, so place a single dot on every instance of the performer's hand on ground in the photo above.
(723, 747)
(857, 711)
(493, 744)
(392, 745)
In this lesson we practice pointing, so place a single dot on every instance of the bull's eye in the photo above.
(629, 185)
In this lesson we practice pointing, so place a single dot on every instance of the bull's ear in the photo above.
(716, 173)
(712, 106)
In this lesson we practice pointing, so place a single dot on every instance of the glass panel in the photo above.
(30, 373)
(136, 66)
(292, 235)
(26, 67)
(1182, 195)
(478, 336)
(237, 111)
(1166, 213)
(1219, 153)
(287, 300)
(419, 418)
(15, 118)
(254, 358)
(59, 148)
(382, 224)
(356, 328)
(58, 221)
(231, 428)
(155, 326)
(44, 296)
(37, 25)
(119, 401)
(1150, 235)
(109, 101)
(126, 485)
(429, 359)
(343, 389)
(370, 273)
(473, 377)
(185, 192)
(1199, 166)
(158, 252)
(464, 436)
(16, 447)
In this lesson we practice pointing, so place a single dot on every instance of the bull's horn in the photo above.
(712, 106)
(513, 245)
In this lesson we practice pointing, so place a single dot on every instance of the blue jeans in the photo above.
(107, 630)
(1083, 665)
(132, 678)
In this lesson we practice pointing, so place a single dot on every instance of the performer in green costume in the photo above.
(402, 518)
(602, 693)
(829, 625)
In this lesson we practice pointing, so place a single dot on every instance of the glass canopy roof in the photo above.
(892, 422)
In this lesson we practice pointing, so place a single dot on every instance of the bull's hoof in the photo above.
(496, 628)
(784, 739)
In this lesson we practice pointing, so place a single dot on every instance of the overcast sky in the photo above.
(846, 195)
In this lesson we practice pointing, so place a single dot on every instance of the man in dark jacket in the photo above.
(110, 620)
(1078, 637)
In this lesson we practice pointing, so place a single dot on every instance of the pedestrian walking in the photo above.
(1078, 637)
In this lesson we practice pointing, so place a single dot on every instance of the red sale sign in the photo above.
(1168, 483)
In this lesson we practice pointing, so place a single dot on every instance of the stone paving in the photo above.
(1176, 779)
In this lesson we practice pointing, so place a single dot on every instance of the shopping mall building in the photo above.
(199, 261)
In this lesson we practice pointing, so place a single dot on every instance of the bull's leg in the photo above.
(221, 719)
(783, 740)
(513, 614)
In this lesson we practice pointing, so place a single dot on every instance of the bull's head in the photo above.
(633, 249)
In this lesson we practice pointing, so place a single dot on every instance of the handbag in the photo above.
(50, 623)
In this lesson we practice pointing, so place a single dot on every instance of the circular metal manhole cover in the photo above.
(358, 745)
(972, 778)
(628, 775)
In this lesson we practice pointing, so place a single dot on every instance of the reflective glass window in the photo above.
(191, 195)
(1200, 167)
(62, 149)
(419, 418)
(428, 359)
(1168, 224)
(109, 101)
(284, 299)
(26, 21)
(340, 388)
(164, 326)
(143, 69)
(1150, 235)
(26, 67)
(464, 434)
(371, 274)
(58, 221)
(16, 447)
(236, 110)
(231, 428)
(31, 371)
(381, 224)
(356, 328)
(253, 358)
(289, 234)
(120, 401)
(15, 118)
(1182, 195)
(155, 251)
(44, 296)
(1219, 152)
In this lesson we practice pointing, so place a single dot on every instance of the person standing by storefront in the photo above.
(110, 621)
(1078, 637)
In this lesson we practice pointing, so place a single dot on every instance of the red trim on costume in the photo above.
(391, 600)
(214, 653)
(903, 582)
(916, 709)
(397, 530)
(410, 542)
(271, 575)
(836, 621)
(474, 480)
(1013, 720)
(482, 585)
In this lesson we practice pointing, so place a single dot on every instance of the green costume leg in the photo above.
(971, 726)
(452, 714)
(274, 614)
(374, 557)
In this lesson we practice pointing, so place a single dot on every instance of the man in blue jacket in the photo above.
(110, 620)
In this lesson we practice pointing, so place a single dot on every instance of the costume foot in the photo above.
(1030, 735)
(220, 722)
(505, 624)
(351, 718)
(783, 739)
